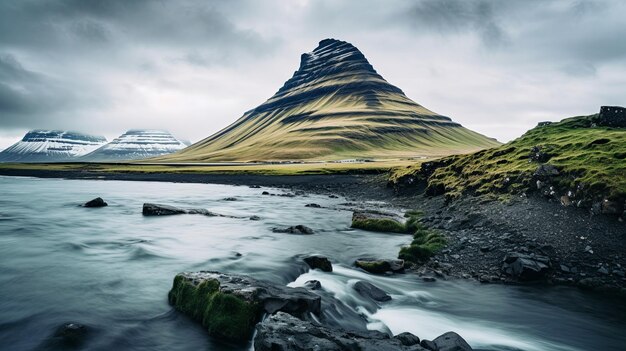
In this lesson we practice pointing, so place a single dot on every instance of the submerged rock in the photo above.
(298, 229)
(67, 337)
(380, 266)
(525, 267)
(319, 262)
(161, 210)
(283, 332)
(97, 202)
(229, 306)
(313, 284)
(313, 205)
(370, 290)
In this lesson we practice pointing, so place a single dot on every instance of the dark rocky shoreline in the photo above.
(583, 249)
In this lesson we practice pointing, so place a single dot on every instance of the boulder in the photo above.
(380, 266)
(97, 202)
(428, 345)
(283, 332)
(313, 205)
(407, 339)
(546, 170)
(451, 341)
(371, 291)
(298, 229)
(525, 267)
(255, 218)
(229, 306)
(319, 262)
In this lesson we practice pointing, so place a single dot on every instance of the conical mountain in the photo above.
(335, 107)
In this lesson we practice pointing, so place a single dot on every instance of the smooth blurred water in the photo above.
(111, 268)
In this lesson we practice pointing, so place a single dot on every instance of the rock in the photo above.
(255, 187)
(428, 345)
(451, 341)
(377, 221)
(298, 229)
(313, 205)
(97, 202)
(319, 262)
(525, 267)
(611, 207)
(407, 339)
(229, 306)
(68, 336)
(255, 218)
(546, 170)
(429, 279)
(379, 266)
(543, 124)
(539, 156)
(565, 201)
(603, 270)
(283, 332)
(230, 199)
(333, 196)
(313, 285)
(265, 193)
(370, 290)
(161, 210)
(166, 210)
(611, 116)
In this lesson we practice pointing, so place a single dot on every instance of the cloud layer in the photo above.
(193, 67)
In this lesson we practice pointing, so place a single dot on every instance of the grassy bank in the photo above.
(590, 164)
(260, 169)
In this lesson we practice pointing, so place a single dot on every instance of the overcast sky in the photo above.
(193, 67)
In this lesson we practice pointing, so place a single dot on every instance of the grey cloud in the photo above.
(458, 16)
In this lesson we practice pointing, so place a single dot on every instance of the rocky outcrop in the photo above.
(97, 202)
(449, 341)
(380, 266)
(298, 229)
(371, 291)
(283, 332)
(319, 262)
(612, 116)
(229, 306)
(525, 267)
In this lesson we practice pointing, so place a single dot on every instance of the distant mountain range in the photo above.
(335, 107)
(64, 146)
(51, 146)
(136, 144)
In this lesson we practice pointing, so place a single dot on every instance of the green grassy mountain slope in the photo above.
(576, 161)
(335, 107)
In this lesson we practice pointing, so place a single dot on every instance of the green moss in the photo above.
(425, 244)
(379, 225)
(225, 316)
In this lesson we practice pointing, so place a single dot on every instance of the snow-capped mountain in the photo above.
(136, 144)
(51, 146)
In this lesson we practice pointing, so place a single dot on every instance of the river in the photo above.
(111, 268)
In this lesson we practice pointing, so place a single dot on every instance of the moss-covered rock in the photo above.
(229, 306)
(379, 266)
(375, 221)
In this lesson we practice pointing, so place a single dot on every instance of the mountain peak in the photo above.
(335, 106)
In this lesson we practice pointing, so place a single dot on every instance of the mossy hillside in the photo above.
(591, 161)
(225, 316)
